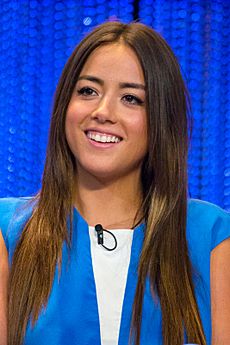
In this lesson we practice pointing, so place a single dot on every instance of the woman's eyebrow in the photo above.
(92, 78)
(122, 85)
(132, 86)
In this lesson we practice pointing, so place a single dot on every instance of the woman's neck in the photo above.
(113, 204)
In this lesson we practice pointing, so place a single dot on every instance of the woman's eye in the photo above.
(132, 99)
(86, 91)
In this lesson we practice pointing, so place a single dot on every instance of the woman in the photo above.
(116, 156)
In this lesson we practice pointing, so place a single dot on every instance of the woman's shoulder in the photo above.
(11, 203)
(209, 223)
(9, 207)
(13, 213)
(201, 206)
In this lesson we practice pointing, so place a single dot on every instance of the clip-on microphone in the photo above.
(100, 238)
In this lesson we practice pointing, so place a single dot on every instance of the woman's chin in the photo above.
(103, 174)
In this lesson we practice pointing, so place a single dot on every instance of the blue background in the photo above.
(36, 38)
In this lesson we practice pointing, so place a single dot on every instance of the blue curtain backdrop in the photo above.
(36, 38)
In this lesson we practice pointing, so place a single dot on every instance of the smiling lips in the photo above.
(102, 137)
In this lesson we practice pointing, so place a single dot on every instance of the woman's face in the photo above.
(106, 118)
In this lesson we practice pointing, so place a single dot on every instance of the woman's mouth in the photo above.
(103, 137)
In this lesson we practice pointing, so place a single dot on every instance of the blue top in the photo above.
(71, 316)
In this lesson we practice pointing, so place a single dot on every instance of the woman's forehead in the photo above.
(114, 61)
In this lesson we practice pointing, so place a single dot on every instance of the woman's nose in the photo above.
(105, 111)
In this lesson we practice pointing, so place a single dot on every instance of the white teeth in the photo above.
(103, 138)
(97, 137)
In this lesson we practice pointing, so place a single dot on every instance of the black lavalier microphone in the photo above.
(100, 238)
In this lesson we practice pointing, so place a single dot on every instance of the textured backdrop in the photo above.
(36, 38)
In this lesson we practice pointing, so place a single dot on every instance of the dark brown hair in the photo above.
(164, 257)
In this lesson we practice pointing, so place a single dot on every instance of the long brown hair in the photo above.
(164, 257)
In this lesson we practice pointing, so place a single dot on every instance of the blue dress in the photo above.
(71, 316)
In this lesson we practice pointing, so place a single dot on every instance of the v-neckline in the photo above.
(81, 234)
